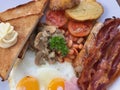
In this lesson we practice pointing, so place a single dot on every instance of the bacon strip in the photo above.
(103, 62)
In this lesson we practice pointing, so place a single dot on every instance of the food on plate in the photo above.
(58, 43)
(21, 11)
(63, 4)
(75, 32)
(45, 42)
(80, 29)
(8, 36)
(86, 10)
(27, 75)
(78, 64)
(24, 20)
(101, 61)
(56, 18)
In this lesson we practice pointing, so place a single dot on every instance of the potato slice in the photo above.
(87, 10)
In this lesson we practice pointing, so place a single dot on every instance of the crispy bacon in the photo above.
(103, 62)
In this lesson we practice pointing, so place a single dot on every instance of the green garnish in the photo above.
(58, 43)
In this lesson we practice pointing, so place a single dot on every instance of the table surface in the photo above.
(111, 9)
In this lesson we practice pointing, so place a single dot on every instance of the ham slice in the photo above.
(72, 85)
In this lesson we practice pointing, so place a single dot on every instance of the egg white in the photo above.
(44, 73)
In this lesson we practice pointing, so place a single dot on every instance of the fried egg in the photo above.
(25, 75)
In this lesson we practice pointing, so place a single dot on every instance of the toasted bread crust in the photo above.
(24, 23)
(21, 10)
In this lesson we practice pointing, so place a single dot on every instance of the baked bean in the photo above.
(71, 52)
(80, 46)
(67, 59)
(80, 40)
(75, 46)
(73, 38)
(72, 57)
(70, 43)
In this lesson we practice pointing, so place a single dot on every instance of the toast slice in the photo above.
(24, 23)
(21, 10)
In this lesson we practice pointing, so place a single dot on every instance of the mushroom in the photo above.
(43, 53)
(40, 42)
(51, 29)
(52, 57)
(58, 33)
(40, 58)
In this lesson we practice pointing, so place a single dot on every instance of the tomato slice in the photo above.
(56, 18)
(80, 29)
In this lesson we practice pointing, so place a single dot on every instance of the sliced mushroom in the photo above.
(44, 27)
(40, 42)
(39, 60)
(45, 34)
(58, 33)
(50, 29)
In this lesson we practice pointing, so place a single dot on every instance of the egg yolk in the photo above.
(57, 84)
(28, 83)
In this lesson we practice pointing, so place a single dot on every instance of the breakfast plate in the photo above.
(110, 9)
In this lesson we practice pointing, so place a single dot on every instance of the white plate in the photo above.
(111, 9)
